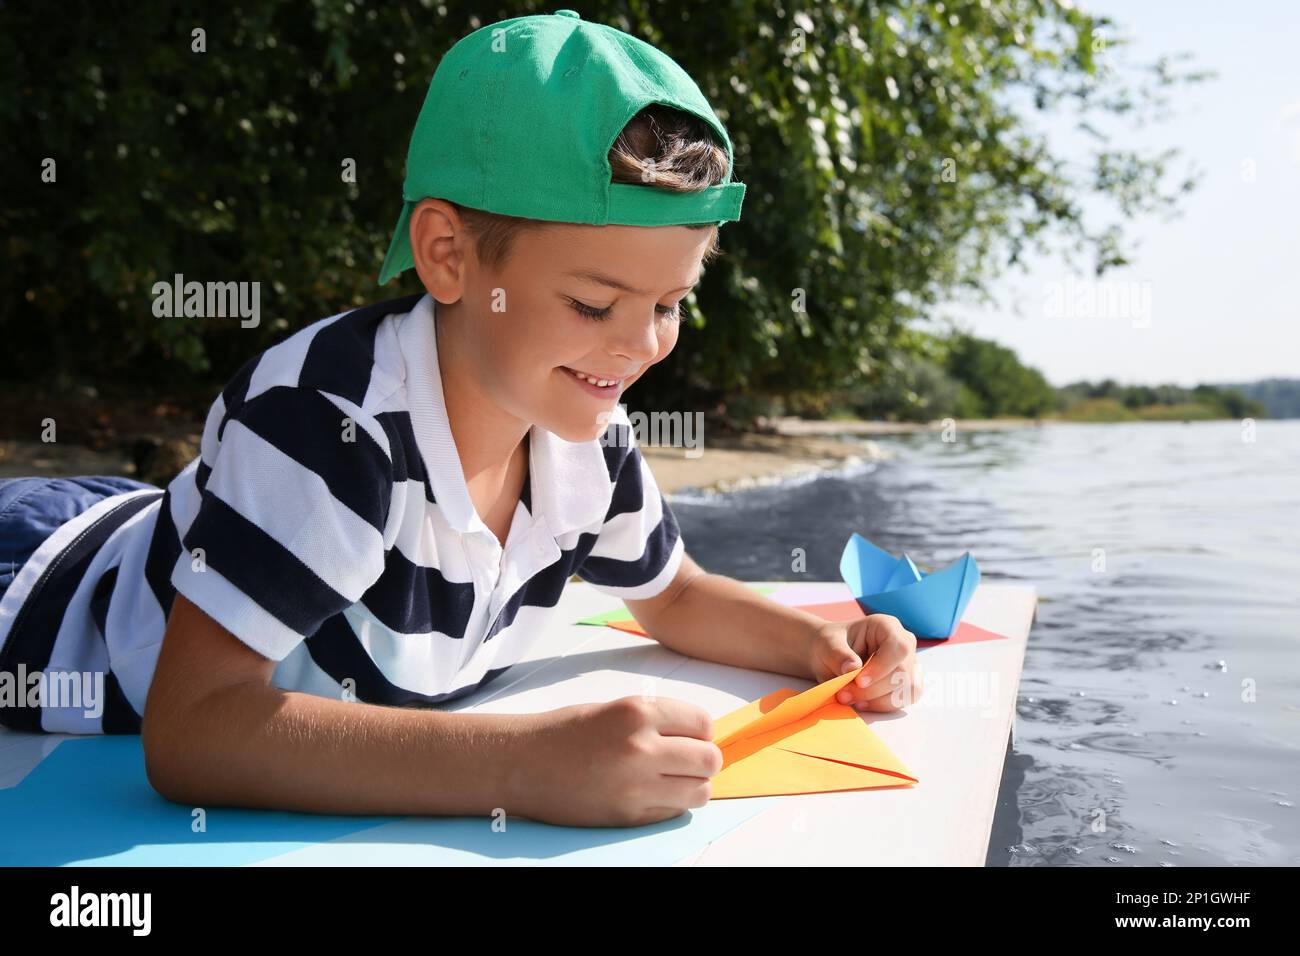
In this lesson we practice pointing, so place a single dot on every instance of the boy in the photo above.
(388, 503)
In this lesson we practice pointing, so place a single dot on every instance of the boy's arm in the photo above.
(217, 731)
(293, 525)
(717, 618)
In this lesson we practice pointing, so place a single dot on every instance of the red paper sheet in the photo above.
(850, 611)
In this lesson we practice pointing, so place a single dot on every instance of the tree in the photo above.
(997, 382)
(889, 167)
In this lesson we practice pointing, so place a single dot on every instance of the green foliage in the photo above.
(958, 376)
(1108, 401)
(885, 146)
(1279, 397)
(997, 383)
(1099, 410)
(1185, 412)
(910, 385)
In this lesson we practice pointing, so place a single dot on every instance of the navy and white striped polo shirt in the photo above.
(327, 524)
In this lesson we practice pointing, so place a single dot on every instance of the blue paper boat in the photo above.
(928, 605)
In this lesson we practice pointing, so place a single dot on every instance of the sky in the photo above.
(1213, 295)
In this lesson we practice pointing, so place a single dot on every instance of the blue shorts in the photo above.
(31, 509)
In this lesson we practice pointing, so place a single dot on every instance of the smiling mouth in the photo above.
(595, 381)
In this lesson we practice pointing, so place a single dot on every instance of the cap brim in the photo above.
(399, 257)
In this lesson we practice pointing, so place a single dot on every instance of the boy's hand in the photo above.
(891, 679)
(627, 762)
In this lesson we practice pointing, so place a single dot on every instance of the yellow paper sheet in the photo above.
(789, 743)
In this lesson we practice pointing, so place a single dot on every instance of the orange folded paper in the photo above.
(789, 743)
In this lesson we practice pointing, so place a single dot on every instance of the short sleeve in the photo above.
(639, 547)
(292, 509)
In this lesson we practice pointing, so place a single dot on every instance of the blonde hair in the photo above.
(680, 149)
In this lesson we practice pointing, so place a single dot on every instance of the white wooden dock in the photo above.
(954, 740)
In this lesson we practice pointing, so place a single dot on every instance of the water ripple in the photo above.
(1158, 551)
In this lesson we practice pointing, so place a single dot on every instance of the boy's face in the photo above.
(598, 300)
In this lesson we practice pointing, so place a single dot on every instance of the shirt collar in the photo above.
(569, 482)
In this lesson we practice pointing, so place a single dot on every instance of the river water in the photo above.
(1158, 722)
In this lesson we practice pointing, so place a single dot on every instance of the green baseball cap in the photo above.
(519, 120)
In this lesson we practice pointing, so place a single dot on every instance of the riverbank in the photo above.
(725, 463)
(733, 462)
(855, 426)
(777, 450)
(782, 449)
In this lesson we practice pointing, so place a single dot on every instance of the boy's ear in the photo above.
(439, 246)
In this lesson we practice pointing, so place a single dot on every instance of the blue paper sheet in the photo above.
(89, 803)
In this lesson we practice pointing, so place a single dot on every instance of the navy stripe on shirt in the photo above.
(335, 557)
